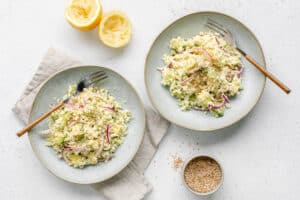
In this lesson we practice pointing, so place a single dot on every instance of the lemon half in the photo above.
(115, 29)
(83, 14)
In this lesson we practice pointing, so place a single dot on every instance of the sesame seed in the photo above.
(202, 174)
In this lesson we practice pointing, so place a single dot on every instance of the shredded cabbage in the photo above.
(89, 128)
(202, 72)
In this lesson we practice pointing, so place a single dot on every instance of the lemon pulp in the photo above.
(115, 29)
(83, 14)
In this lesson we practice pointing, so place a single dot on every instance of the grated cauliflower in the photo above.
(202, 72)
(88, 129)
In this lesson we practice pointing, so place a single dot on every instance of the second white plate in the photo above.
(253, 80)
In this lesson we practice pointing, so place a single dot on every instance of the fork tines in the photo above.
(96, 77)
(215, 26)
(96, 74)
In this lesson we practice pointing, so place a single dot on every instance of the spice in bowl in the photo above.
(203, 175)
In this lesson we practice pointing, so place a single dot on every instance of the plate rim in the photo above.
(163, 31)
(129, 160)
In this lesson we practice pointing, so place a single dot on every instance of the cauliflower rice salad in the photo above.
(88, 129)
(202, 72)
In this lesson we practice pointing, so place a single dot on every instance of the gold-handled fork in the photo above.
(84, 83)
(228, 36)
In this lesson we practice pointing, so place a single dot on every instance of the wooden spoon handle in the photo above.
(41, 118)
(266, 73)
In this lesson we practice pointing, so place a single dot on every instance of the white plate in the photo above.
(253, 80)
(55, 88)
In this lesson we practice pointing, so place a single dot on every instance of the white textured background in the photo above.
(260, 155)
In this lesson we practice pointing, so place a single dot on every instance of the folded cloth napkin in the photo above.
(130, 183)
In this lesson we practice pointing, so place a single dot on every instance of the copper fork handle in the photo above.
(265, 72)
(41, 118)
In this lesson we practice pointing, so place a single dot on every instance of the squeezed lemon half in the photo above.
(115, 29)
(83, 14)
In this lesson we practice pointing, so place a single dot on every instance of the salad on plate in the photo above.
(89, 128)
(202, 72)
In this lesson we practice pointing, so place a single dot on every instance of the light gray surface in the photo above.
(260, 155)
(253, 81)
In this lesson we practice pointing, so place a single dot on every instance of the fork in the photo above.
(84, 83)
(228, 37)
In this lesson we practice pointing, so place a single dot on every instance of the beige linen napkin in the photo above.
(130, 184)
